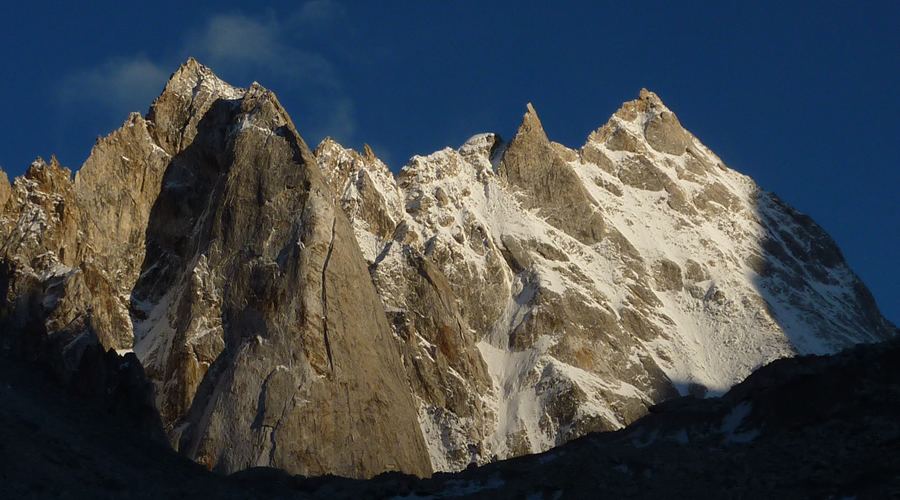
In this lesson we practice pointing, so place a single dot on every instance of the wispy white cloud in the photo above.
(240, 49)
(118, 84)
(319, 12)
(241, 44)
(340, 120)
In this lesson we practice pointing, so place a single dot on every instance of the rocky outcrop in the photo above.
(76, 247)
(532, 164)
(5, 189)
(117, 187)
(446, 372)
(48, 306)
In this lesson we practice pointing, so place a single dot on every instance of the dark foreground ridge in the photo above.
(807, 427)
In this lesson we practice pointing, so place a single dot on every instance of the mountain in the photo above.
(593, 283)
(310, 311)
(204, 238)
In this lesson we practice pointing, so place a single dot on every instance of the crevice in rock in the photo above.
(325, 296)
(272, 450)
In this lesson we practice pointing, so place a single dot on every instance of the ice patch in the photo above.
(733, 421)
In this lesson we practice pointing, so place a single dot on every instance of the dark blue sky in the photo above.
(798, 95)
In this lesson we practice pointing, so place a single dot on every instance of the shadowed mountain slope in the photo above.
(810, 427)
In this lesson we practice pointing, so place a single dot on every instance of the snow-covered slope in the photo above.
(687, 278)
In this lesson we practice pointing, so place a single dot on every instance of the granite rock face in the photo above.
(264, 299)
(531, 164)
(313, 312)
(5, 188)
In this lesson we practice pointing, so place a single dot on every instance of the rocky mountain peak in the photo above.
(533, 165)
(367, 189)
(48, 174)
(190, 76)
(531, 129)
(205, 238)
(629, 238)
(46, 192)
(645, 121)
(650, 97)
(338, 164)
(639, 110)
(189, 95)
(5, 188)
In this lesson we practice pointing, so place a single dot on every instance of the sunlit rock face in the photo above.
(314, 312)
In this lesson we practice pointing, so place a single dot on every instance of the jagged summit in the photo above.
(531, 125)
(313, 312)
(191, 75)
(644, 118)
(650, 97)
(533, 165)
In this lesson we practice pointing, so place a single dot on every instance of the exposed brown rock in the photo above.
(117, 187)
(452, 407)
(349, 174)
(621, 140)
(640, 173)
(5, 189)
(664, 134)
(532, 165)
(667, 276)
